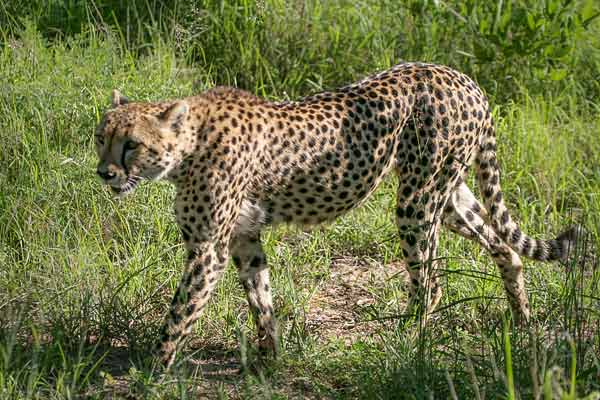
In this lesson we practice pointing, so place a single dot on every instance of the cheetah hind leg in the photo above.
(253, 272)
(419, 234)
(466, 216)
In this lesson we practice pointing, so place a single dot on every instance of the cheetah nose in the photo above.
(106, 175)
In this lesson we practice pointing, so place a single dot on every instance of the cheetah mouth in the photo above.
(127, 187)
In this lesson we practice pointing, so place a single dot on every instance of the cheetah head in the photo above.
(136, 141)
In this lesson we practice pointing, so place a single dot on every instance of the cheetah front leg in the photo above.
(251, 262)
(206, 264)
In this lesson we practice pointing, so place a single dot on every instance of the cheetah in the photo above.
(240, 163)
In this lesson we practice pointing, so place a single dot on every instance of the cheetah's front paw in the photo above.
(268, 346)
(165, 354)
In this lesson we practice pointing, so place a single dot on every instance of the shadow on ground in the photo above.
(337, 311)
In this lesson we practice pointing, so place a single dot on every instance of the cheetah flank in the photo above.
(240, 163)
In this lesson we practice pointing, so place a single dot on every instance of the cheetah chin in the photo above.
(127, 188)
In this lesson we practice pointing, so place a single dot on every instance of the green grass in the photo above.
(85, 279)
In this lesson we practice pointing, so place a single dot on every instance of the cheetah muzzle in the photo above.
(240, 163)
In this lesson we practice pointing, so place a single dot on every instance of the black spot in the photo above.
(504, 217)
(498, 197)
(470, 216)
(526, 245)
(256, 261)
(439, 95)
(516, 235)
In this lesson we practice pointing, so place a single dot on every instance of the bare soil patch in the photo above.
(340, 307)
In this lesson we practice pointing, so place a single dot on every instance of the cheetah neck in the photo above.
(190, 139)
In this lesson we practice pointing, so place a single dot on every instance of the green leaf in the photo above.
(531, 21)
(539, 73)
(587, 11)
(558, 74)
(552, 7)
(561, 51)
(484, 26)
(587, 21)
(506, 17)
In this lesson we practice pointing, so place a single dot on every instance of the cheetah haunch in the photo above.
(240, 163)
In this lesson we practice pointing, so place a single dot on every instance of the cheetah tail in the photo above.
(488, 177)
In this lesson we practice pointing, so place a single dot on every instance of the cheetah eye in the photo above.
(131, 145)
(100, 140)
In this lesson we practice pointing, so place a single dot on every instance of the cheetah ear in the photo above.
(118, 99)
(175, 113)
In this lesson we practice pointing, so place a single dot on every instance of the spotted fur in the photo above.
(240, 163)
